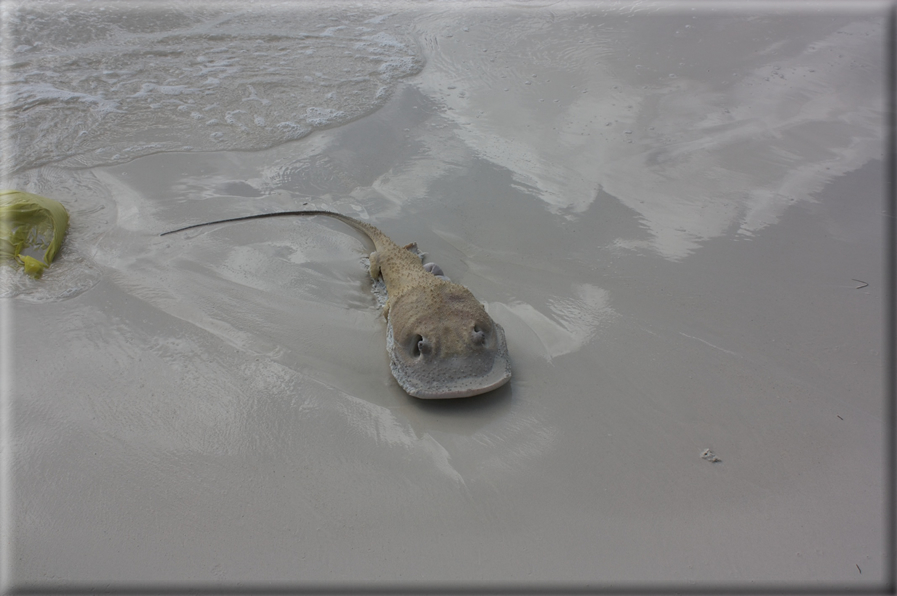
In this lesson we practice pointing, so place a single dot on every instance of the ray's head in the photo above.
(443, 344)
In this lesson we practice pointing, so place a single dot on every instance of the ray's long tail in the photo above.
(376, 236)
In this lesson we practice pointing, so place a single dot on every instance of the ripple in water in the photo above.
(88, 84)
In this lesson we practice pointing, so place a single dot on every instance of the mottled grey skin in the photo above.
(441, 341)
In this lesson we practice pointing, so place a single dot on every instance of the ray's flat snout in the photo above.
(442, 343)
(461, 375)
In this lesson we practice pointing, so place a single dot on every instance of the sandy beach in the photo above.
(677, 214)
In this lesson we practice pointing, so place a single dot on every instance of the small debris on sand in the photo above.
(710, 456)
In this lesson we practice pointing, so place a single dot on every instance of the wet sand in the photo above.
(676, 217)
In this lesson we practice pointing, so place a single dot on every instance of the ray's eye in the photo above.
(479, 336)
(419, 346)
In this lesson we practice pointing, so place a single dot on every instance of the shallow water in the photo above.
(652, 201)
(109, 82)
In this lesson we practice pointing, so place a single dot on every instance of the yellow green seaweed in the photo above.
(31, 223)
